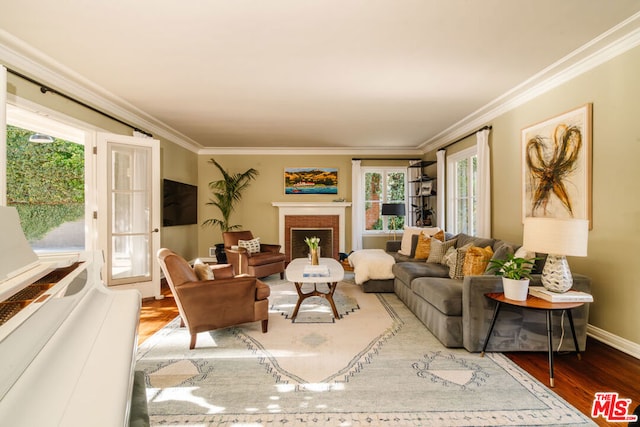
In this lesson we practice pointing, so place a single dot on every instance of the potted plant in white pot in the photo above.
(516, 273)
(226, 193)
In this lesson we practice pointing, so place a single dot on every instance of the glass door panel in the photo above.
(131, 185)
(130, 207)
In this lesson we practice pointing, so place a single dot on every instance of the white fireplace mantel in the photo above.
(312, 208)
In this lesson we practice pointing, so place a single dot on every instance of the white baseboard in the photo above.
(614, 341)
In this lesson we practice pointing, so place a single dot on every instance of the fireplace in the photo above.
(299, 248)
(319, 218)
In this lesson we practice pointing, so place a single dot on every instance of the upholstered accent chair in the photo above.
(206, 305)
(259, 261)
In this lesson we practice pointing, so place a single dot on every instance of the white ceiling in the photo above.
(343, 74)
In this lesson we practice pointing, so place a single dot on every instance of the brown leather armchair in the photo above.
(261, 264)
(206, 305)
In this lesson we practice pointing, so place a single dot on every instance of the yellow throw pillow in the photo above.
(476, 260)
(407, 237)
(424, 244)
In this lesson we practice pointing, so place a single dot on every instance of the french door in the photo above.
(129, 211)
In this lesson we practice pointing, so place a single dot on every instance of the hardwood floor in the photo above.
(602, 368)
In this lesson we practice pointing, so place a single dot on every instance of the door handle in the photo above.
(155, 230)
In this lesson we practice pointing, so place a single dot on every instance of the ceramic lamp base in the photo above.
(556, 275)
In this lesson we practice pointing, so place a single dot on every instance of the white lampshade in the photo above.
(556, 236)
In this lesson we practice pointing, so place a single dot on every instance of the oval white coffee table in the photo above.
(295, 272)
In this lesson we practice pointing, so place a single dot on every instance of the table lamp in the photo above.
(557, 238)
(393, 210)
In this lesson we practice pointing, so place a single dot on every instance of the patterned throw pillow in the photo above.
(448, 256)
(438, 249)
(455, 260)
(476, 260)
(424, 244)
(252, 246)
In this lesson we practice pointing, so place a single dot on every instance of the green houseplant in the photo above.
(516, 273)
(226, 193)
(512, 267)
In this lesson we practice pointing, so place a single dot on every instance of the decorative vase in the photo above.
(221, 255)
(516, 290)
(315, 256)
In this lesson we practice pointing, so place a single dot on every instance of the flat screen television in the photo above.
(179, 203)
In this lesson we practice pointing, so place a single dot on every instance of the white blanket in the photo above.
(371, 264)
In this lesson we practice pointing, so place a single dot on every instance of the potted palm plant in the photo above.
(226, 193)
(516, 273)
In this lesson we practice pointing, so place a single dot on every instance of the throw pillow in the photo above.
(203, 271)
(405, 244)
(424, 244)
(476, 260)
(447, 257)
(438, 249)
(222, 271)
(523, 253)
(455, 260)
(252, 246)
(501, 252)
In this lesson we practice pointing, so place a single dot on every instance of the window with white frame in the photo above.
(383, 185)
(462, 192)
(46, 180)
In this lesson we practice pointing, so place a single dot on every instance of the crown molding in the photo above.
(288, 151)
(14, 53)
(618, 40)
(18, 55)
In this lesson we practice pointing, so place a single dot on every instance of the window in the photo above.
(383, 185)
(462, 192)
(45, 181)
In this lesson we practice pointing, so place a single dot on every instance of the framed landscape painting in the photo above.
(556, 166)
(311, 181)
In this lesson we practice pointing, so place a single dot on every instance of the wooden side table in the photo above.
(535, 303)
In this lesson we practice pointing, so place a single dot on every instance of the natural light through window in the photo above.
(462, 192)
(45, 176)
(383, 185)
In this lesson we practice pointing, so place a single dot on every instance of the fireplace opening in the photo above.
(299, 248)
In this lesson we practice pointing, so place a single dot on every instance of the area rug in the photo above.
(377, 366)
(313, 309)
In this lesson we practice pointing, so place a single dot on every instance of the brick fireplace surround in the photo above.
(312, 215)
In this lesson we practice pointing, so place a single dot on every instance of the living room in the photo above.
(606, 79)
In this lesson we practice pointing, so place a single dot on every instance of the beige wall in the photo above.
(614, 241)
(180, 164)
(254, 212)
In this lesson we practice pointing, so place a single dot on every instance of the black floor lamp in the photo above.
(393, 210)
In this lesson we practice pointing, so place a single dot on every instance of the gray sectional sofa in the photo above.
(457, 312)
